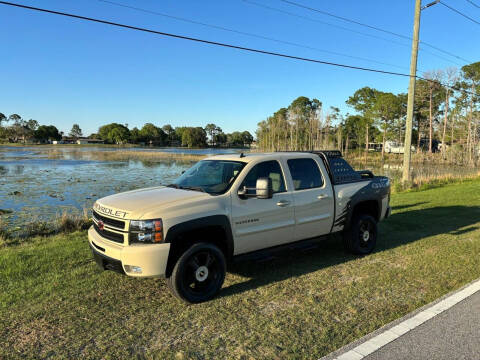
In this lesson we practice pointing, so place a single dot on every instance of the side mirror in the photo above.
(264, 188)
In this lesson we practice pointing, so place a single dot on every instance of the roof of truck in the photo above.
(339, 170)
(248, 157)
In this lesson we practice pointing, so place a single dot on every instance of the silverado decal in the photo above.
(107, 211)
(248, 221)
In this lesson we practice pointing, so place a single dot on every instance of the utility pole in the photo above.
(411, 94)
(406, 176)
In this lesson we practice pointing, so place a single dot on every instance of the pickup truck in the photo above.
(231, 205)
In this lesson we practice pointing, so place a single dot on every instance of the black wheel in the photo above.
(361, 238)
(198, 274)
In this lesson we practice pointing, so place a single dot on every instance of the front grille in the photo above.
(110, 235)
(107, 221)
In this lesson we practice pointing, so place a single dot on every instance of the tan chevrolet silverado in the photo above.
(231, 205)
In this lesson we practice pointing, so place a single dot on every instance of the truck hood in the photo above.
(133, 204)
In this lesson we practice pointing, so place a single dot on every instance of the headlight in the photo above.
(146, 231)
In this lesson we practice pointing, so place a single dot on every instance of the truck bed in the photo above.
(351, 187)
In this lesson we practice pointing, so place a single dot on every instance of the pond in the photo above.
(35, 186)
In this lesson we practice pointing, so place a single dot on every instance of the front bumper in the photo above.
(105, 262)
(151, 258)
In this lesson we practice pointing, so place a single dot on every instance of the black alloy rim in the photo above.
(202, 273)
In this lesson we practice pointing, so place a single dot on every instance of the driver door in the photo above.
(263, 223)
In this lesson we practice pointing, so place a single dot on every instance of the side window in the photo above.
(269, 169)
(305, 173)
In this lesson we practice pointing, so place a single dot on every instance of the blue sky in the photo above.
(62, 71)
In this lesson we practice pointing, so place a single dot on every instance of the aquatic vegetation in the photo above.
(124, 155)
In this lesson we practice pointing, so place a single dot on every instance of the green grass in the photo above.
(54, 303)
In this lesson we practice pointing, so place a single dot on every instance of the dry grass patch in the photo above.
(124, 155)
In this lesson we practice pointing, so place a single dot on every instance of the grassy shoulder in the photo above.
(303, 304)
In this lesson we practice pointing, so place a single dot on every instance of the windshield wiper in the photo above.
(194, 188)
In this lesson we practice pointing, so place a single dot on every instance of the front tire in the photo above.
(198, 274)
(361, 238)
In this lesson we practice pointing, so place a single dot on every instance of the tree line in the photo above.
(21, 130)
(442, 115)
(167, 135)
(16, 129)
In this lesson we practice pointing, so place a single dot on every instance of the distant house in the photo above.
(66, 140)
(83, 141)
(79, 141)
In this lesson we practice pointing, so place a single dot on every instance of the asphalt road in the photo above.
(453, 334)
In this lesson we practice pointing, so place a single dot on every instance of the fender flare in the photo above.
(352, 206)
(174, 233)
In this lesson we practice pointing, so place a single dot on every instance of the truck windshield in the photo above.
(211, 176)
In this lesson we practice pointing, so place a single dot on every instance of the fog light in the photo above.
(133, 269)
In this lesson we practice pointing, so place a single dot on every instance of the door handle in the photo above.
(322, 196)
(283, 203)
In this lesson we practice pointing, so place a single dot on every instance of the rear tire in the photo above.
(361, 237)
(198, 274)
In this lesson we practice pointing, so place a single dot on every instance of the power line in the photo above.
(322, 22)
(225, 45)
(247, 33)
(344, 28)
(371, 27)
(460, 13)
(346, 19)
(471, 2)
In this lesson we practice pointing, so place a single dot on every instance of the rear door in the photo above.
(262, 223)
(313, 197)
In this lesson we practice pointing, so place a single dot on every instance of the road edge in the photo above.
(372, 342)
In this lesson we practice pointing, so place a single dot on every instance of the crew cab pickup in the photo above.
(230, 205)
